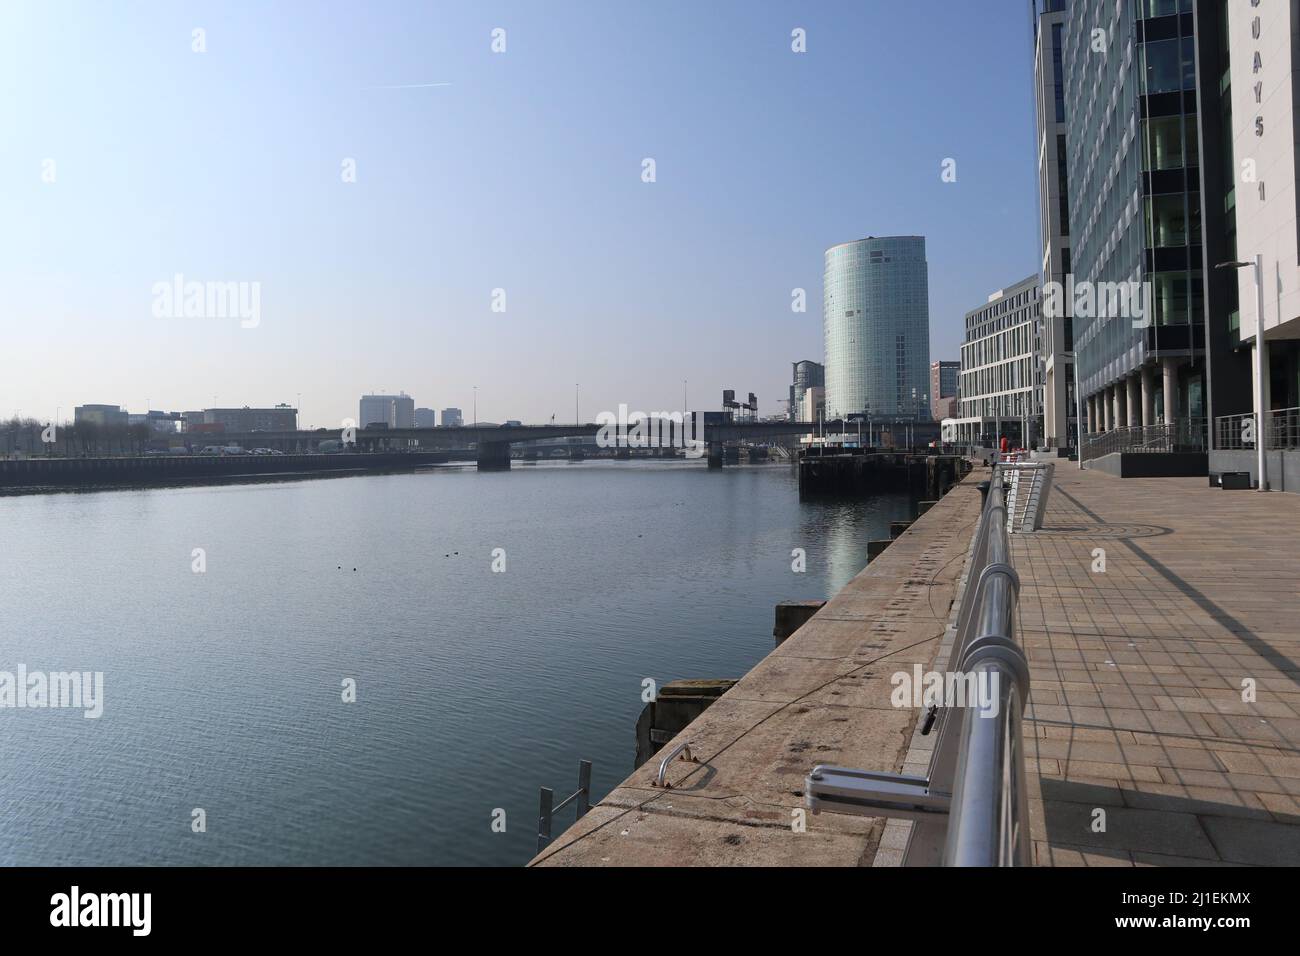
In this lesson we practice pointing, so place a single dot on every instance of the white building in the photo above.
(1264, 73)
(813, 405)
(1000, 392)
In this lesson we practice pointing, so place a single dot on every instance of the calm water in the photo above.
(223, 689)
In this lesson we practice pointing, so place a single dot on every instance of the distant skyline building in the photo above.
(101, 415)
(812, 406)
(998, 394)
(426, 418)
(452, 418)
(281, 418)
(1056, 332)
(395, 411)
(876, 327)
(944, 378)
(807, 374)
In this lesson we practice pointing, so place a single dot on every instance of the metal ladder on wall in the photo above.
(1030, 482)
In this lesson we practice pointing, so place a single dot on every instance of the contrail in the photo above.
(406, 86)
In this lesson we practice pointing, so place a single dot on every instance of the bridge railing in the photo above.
(971, 808)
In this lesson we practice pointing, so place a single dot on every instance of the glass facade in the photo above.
(807, 374)
(876, 322)
(1134, 184)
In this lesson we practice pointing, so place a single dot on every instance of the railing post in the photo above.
(544, 819)
(584, 787)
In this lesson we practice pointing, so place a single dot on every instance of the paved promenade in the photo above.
(1137, 672)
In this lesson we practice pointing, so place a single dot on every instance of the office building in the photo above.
(395, 411)
(876, 323)
(807, 374)
(1141, 204)
(281, 418)
(944, 378)
(1251, 142)
(426, 418)
(101, 415)
(1056, 331)
(999, 394)
(452, 418)
(813, 404)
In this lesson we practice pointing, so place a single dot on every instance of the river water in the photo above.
(223, 688)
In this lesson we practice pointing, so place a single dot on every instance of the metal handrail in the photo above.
(972, 807)
(989, 816)
(1184, 434)
(685, 745)
(1240, 432)
(548, 807)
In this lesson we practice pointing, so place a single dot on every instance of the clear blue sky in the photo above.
(523, 174)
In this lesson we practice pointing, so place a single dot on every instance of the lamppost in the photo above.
(475, 405)
(1261, 430)
(577, 420)
(1073, 358)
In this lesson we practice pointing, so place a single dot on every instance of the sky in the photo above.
(374, 171)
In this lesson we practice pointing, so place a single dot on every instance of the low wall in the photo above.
(1151, 464)
(1283, 467)
(161, 469)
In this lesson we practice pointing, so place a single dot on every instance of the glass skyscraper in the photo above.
(876, 322)
(1136, 202)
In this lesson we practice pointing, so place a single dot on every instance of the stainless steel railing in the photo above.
(1239, 432)
(1185, 434)
(971, 808)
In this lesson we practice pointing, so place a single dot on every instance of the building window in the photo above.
(1168, 66)
(1166, 221)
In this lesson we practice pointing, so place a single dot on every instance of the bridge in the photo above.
(492, 442)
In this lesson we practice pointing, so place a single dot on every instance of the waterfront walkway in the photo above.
(1140, 748)
(1137, 672)
(821, 697)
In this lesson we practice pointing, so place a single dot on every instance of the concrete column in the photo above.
(1148, 397)
(494, 456)
(1170, 385)
(1133, 402)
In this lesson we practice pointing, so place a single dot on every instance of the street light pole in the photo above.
(1261, 429)
(1261, 426)
(1078, 409)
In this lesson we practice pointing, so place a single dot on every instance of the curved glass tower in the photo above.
(876, 321)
